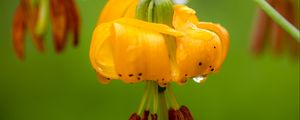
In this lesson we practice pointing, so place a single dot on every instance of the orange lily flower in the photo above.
(136, 40)
(132, 50)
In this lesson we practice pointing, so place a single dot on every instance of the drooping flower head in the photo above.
(166, 43)
(33, 16)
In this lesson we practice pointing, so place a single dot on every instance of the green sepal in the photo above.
(142, 9)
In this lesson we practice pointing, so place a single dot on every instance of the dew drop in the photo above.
(200, 78)
(180, 1)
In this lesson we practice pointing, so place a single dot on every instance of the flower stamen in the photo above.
(144, 98)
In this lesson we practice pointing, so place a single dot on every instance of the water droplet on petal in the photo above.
(180, 1)
(200, 78)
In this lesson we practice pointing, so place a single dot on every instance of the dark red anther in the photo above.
(186, 113)
(172, 114)
(154, 116)
(145, 115)
(176, 115)
(135, 116)
(179, 115)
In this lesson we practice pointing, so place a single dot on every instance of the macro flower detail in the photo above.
(136, 44)
(165, 44)
(33, 16)
(136, 40)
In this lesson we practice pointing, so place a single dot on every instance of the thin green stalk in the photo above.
(144, 98)
(172, 98)
(163, 106)
(149, 99)
(155, 98)
(287, 26)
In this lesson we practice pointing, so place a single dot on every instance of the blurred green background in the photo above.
(64, 87)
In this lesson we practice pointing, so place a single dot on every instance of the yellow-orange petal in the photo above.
(183, 15)
(160, 28)
(202, 49)
(101, 52)
(102, 79)
(115, 9)
(198, 53)
(131, 10)
(222, 33)
(140, 54)
(131, 50)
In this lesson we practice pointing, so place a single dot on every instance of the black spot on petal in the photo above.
(200, 63)
(140, 74)
(120, 75)
(212, 69)
(130, 75)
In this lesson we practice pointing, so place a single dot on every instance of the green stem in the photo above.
(149, 100)
(287, 26)
(144, 98)
(172, 98)
(155, 98)
(163, 106)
